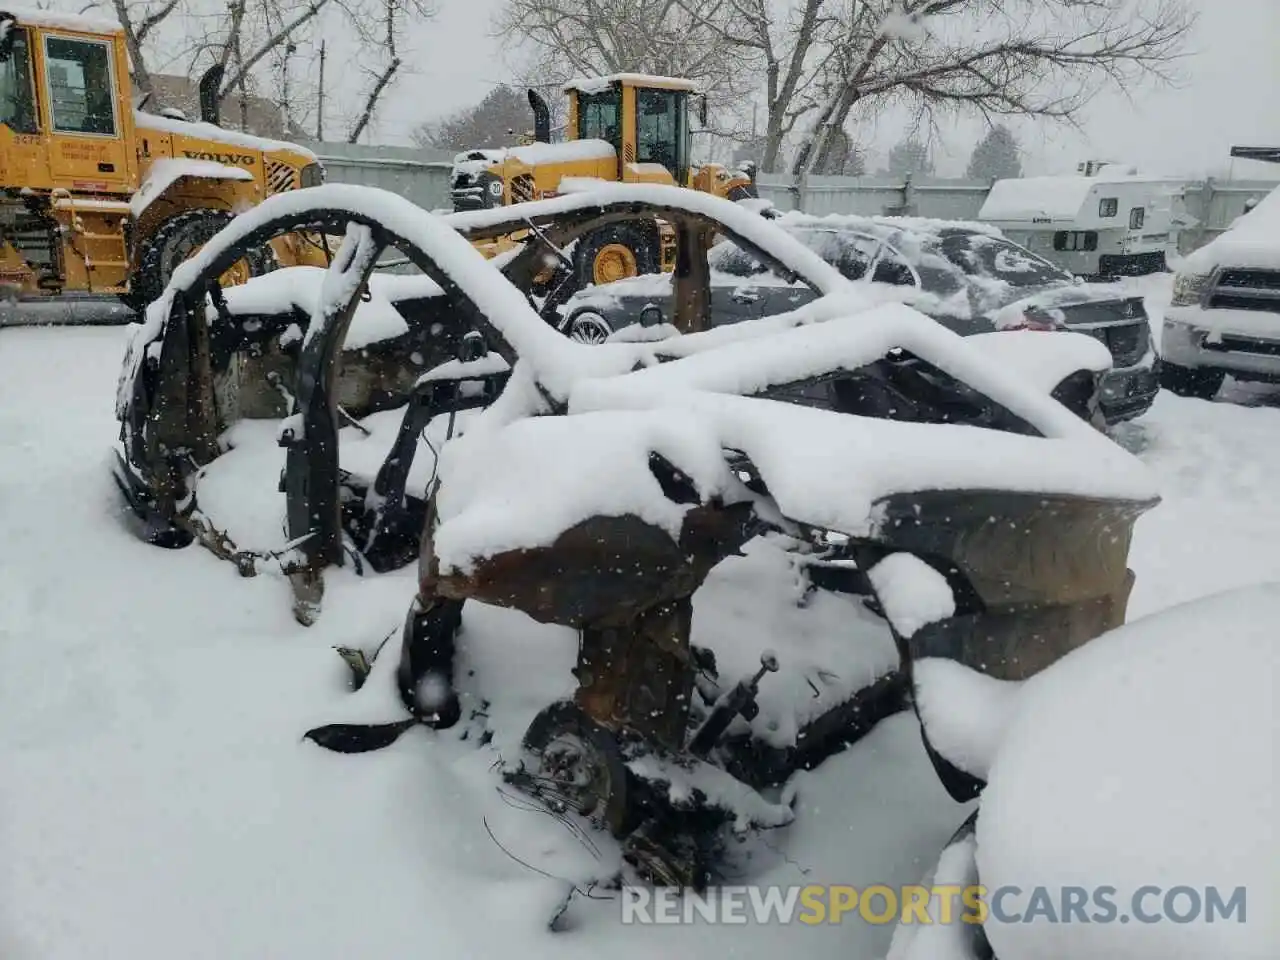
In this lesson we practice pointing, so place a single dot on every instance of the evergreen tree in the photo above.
(910, 156)
(496, 121)
(995, 157)
(844, 159)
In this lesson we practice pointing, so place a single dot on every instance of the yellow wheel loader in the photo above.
(97, 198)
(629, 127)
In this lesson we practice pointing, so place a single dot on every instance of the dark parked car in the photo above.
(969, 277)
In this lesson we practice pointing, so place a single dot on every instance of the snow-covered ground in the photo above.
(156, 799)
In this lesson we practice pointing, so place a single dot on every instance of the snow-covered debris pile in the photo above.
(1145, 759)
(289, 288)
(824, 468)
(1252, 241)
(524, 485)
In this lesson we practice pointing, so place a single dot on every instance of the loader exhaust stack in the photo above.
(209, 84)
(541, 117)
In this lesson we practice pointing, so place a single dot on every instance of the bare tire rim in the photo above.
(572, 776)
(589, 328)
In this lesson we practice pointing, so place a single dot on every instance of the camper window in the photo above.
(1073, 240)
(1108, 207)
(1137, 216)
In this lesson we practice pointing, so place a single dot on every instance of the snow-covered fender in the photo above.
(166, 172)
(1067, 366)
(1002, 585)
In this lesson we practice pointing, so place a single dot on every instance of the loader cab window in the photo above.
(662, 136)
(80, 86)
(599, 117)
(17, 101)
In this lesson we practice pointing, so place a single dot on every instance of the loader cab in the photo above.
(645, 120)
(66, 121)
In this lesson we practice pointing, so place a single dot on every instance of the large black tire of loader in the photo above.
(641, 241)
(174, 241)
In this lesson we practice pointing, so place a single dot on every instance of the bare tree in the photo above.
(567, 38)
(252, 41)
(996, 57)
(824, 58)
(139, 20)
(496, 121)
(394, 10)
(789, 43)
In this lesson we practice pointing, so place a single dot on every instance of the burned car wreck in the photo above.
(596, 487)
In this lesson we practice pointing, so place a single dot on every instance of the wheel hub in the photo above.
(571, 776)
(615, 261)
(238, 273)
(588, 329)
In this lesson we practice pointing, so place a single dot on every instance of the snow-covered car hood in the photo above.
(1252, 241)
(1099, 777)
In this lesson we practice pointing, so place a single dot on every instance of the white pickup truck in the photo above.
(1225, 314)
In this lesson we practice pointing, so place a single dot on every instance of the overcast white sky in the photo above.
(1231, 96)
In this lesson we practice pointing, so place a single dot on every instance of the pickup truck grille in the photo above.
(1251, 279)
(1230, 344)
(1245, 290)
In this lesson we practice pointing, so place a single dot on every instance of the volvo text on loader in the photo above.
(629, 127)
(97, 198)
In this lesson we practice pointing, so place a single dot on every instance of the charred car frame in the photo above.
(1030, 567)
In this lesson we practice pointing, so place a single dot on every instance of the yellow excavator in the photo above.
(629, 128)
(99, 200)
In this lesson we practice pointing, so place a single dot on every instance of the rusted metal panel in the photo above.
(638, 677)
(601, 572)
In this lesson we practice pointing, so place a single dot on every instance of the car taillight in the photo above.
(1031, 321)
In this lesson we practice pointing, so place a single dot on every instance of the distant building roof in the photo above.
(262, 117)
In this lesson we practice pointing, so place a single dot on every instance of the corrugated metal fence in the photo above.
(1214, 203)
(423, 177)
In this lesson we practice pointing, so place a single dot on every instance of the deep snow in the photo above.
(157, 798)
(157, 801)
(1190, 688)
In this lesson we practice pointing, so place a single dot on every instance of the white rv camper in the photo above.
(1098, 227)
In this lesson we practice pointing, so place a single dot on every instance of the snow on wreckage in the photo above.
(597, 487)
